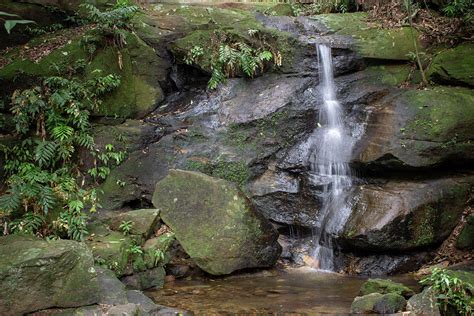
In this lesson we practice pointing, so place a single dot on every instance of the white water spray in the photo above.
(329, 164)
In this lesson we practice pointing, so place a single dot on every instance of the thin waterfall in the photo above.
(329, 164)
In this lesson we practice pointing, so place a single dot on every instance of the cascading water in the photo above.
(329, 164)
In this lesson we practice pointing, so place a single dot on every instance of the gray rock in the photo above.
(124, 310)
(146, 279)
(424, 303)
(112, 291)
(144, 221)
(38, 274)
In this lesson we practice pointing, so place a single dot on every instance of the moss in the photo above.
(234, 23)
(454, 65)
(392, 75)
(136, 95)
(233, 171)
(385, 286)
(372, 42)
(424, 226)
(136, 64)
(110, 249)
(281, 9)
(224, 233)
(67, 55)
(442, 113)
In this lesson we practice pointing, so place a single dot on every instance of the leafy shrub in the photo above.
(51, 124)
(450, 291)
(458, 8)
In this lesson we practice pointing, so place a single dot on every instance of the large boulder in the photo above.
(401, 215)
(215, 223)
(37, 274)
(454, 66)
(419, 129)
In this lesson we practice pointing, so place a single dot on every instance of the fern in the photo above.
(231, 57)
(62, 132)
(45, 152)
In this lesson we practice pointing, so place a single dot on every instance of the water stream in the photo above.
(329, 164)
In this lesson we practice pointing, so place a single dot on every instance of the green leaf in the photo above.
(10, 24)
(7, 14)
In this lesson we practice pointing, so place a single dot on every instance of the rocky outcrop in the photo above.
(402, 215)
(419, 129)
(454, 66)
(37, 274)
(215, 223)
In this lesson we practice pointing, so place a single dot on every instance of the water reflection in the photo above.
(299, 292)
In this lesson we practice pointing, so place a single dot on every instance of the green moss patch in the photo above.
(372, 42)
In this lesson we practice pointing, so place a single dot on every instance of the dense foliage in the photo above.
(47, 189)
(451, 291)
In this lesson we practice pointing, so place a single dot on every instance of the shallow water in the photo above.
(294, 293)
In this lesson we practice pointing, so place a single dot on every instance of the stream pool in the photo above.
(292, 292)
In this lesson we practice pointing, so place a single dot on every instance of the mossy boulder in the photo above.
(466, 237)
(419, 129)
(37, 274)
(110, 249)
(144, 222)
(372, 41)
(454, 66)
(377, 303)
(215, 223)
(385, 286)
(403, 215)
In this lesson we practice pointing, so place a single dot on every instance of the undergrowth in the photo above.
(47, 191)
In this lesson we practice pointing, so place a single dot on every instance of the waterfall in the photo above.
(329, 164)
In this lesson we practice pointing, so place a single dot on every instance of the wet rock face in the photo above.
(419, 129)
(215, 223)
(260, 134)
(401, 215)
(58, 273)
